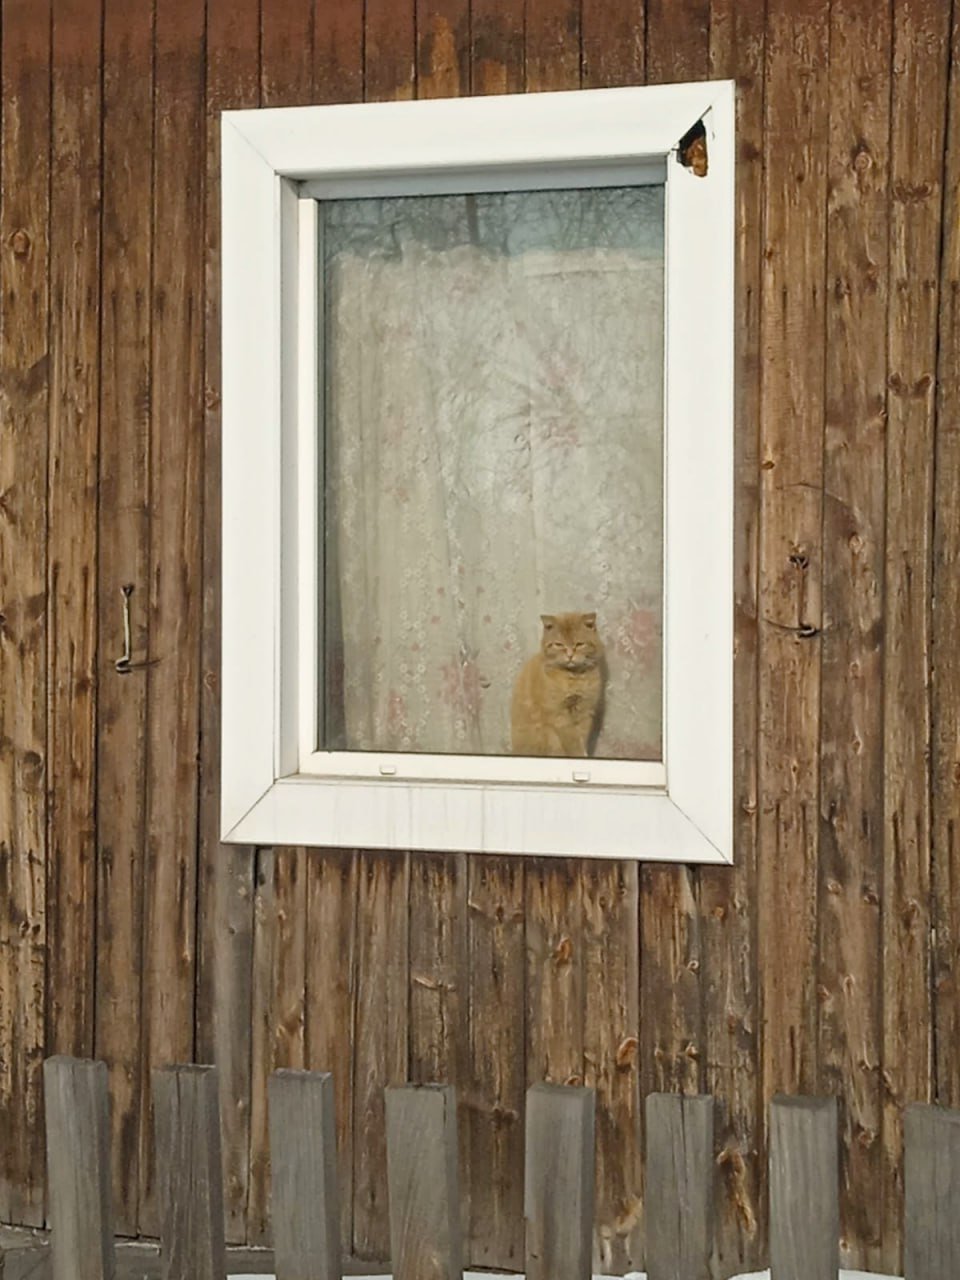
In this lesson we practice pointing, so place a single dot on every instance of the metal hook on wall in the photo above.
(122, 664)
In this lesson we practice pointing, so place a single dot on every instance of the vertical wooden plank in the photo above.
(854, 475)
(381, 1009)
(496, 46)
(945, 815)
(678, 40)
(931, 1224)
(916, 174)
(552, 44)
(24, 775)
(612, 40)
(176, 471)
(495, 906)
(680, 1166)
(189, 1173)
(443, 48)
(123, 538)
(437, 968)
(78, 1168)
(804, 1205)
(728, 895)
(72, 530)
(671, 1015)
(791, 468)
(439, 1044)
(611, 1060)
(558, 1192)
(225, 941)
(338, 51)
(278, 1010)
(671, 998)
(280, 908)
(330, 979)
(555, 981)
(305, 1192)
(422, 1160)
(494, 1104)
(389, 50)
(552, 888)
(330, 963)
(381, 1022)
(286, 52)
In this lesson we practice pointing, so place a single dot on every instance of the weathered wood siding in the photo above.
(827, 960)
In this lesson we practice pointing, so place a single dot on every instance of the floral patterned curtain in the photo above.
(493, 451)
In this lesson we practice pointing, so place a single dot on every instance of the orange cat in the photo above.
(558, 694)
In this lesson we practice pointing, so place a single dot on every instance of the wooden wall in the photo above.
(826, 960)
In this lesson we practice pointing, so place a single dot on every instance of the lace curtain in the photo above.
(493, 451)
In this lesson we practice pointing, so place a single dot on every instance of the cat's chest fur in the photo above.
(571, 691)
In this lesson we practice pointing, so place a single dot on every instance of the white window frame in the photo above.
(275, 787)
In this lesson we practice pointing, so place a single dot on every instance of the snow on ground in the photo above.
(631, 1275)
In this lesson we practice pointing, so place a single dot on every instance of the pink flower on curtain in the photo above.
(637, 635)
(397, 724)
(462, 685)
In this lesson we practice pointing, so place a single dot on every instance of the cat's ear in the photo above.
(549, 621)
(590, 621)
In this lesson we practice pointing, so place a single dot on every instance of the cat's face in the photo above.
(570, 640)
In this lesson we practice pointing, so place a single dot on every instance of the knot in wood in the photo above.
(627, 1053)
(862, 159)
(20, 243)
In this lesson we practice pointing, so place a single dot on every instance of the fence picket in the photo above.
(303, 1163)
(78, 1169)
(189, 1173)
(422, 1182)
(804, 1201)
(679, 1181)
(559, 1182)
(931, 1211)
(422, 1178)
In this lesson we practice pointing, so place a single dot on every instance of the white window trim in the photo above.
(274, 788)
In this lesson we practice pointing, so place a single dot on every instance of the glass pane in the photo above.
(493, 372)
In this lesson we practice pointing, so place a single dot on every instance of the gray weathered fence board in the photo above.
(303, 1162)
(931, 1212)
(559, 1182)
(423, 1183)
(189, 1173)
(804, 1204)
(78, 1169)
(679, 1181)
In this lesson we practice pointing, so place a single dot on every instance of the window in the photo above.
(477, 379)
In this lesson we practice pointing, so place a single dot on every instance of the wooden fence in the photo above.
(422, 1176)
